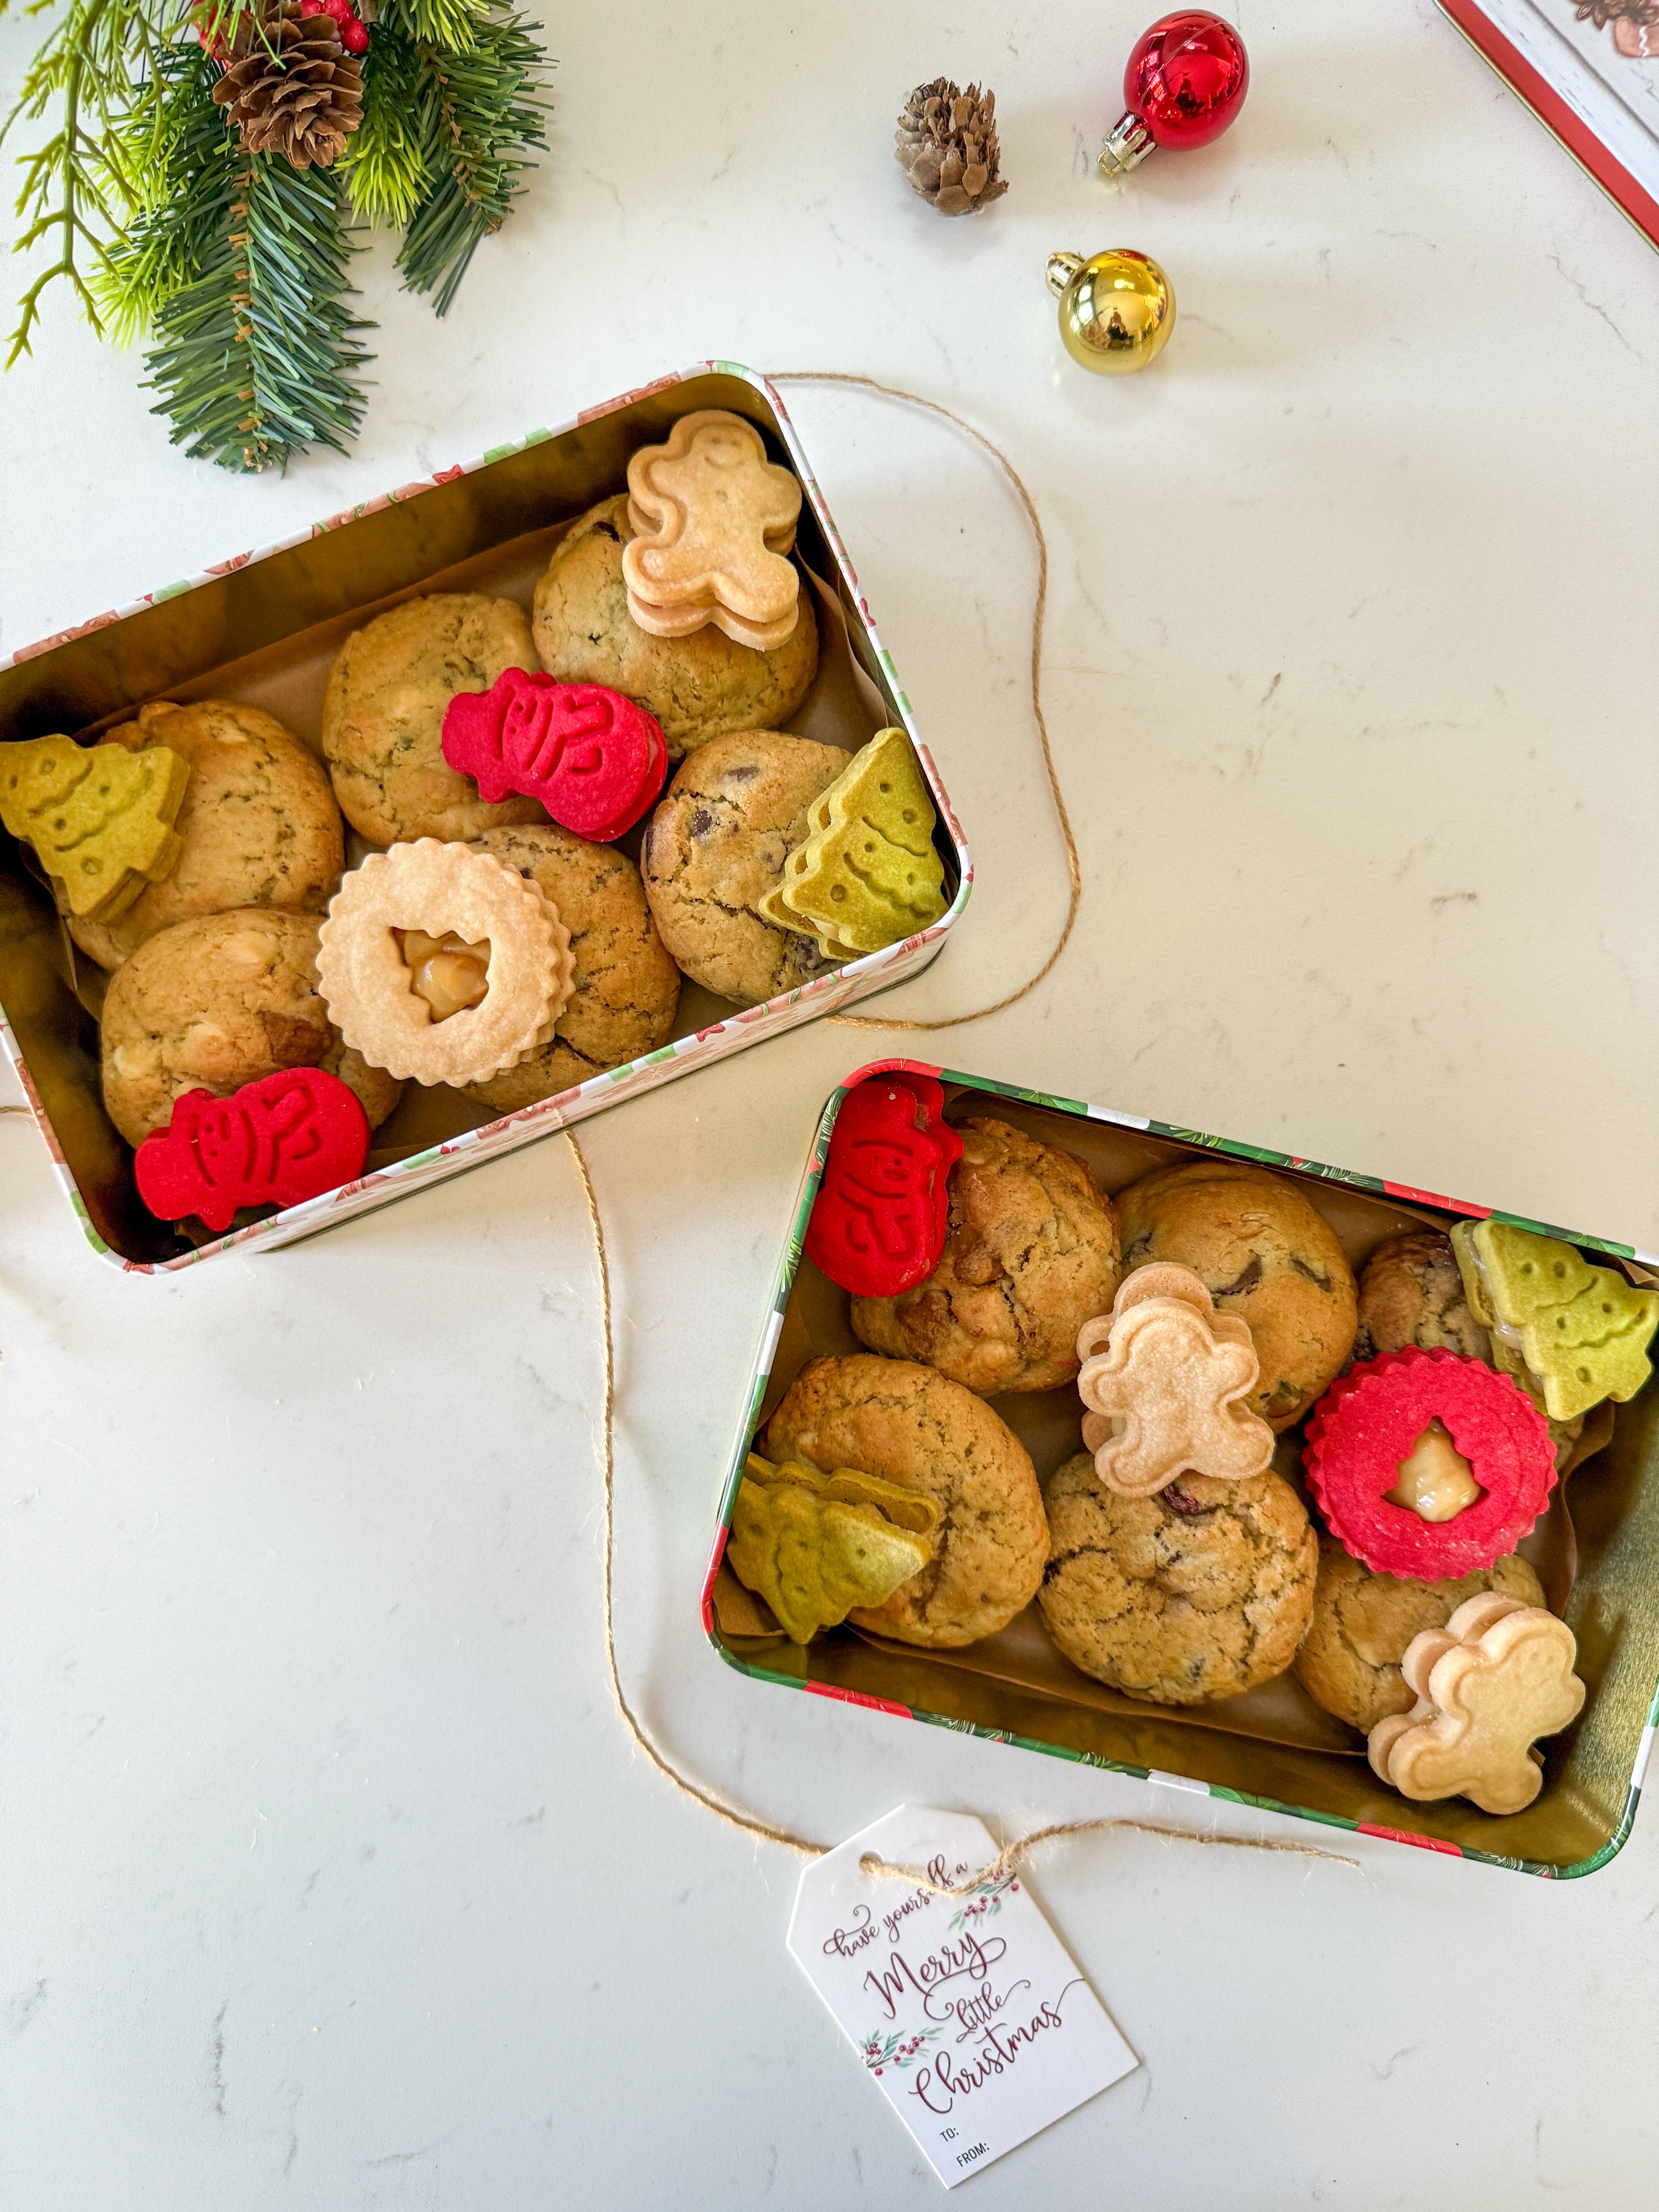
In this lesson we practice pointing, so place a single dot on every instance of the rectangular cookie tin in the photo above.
(1285, 1756)
(245, 626)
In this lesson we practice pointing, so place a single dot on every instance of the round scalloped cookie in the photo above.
(1265, 1253)
(383, 716)
(258, 825)
(1030, 1255)
(699, 687)
(908, 1425)
(1202, 1590)
(216, 1002)
(625, 988)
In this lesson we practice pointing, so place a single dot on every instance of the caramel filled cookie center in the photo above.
(1435, 1481)
(445, 971)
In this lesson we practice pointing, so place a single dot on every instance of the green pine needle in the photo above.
(176, 154)
(482, 113)
(453, 25)
(384, 167)
(259, 355)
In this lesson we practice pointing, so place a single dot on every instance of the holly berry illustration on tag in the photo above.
(594, 759)
(878, 1223)
(286, 1138)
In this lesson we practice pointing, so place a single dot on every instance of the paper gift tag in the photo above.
(966, 2011)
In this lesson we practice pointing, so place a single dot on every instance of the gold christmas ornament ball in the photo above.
(1116, 309)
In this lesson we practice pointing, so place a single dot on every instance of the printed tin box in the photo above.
(1593, 1551)
(263, 629)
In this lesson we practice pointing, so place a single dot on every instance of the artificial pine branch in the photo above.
(451, 24)
(480, 114)
(384, 168)
(95, 69)
(259, 356)
(176, 166)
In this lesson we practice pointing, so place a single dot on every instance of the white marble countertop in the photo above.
(332, 1878)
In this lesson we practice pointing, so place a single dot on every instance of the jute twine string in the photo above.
(734, 1816)
(1073, 867)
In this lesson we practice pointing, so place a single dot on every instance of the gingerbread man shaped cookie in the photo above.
(1497, 1677)
(1164, 1377)
(720, 509)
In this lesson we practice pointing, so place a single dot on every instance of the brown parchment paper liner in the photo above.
(1050, 1424)
(843, 708)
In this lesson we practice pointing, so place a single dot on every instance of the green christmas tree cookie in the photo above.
(815, 1545)
(100, 817)
(867, 874)
(1583, 1332)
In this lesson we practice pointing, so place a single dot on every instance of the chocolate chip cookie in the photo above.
(698, 687)
(1030, 1254)
(383, 716)
(625, 988)
(1201, 1591)
(1362, 1622)
(1264, 1254)
(1411, 1292)
(258, 825)
(717, 843)
(218, 1001)
(910, 1426)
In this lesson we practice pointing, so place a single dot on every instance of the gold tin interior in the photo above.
(265, 633)
(1273, 1745)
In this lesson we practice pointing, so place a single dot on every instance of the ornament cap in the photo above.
(1125, 147)
(1061, 269)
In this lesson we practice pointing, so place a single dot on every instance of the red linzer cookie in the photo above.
(878, 1222)
(1427, 1464)
(594, 759)
(288, 1137)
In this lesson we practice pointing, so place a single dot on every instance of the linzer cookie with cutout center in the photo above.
(1428, 1465)
(437, 962)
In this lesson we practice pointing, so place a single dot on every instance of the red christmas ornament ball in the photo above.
(1187, 78)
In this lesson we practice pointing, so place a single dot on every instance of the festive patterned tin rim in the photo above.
(762, 1374)
(856, 980)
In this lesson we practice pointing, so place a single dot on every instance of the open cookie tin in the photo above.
(262, 626)
(1272, 1747)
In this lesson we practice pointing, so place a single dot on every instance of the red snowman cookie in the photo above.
(288, 1137)
(595, 760)
(1428, 1465)
(878, 1222)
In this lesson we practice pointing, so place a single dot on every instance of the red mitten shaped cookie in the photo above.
(878, 1222)
(1427, 1464)
(289, 1136)
(594, 759)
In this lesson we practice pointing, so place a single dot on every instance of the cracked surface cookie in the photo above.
(1350, 1658)
(1030, 1254)
(216, 1002)
(1201, 1591)
(908, 1424)
(258, 825)
(1411, 1294)
(1264, 1254)
(698, 687)
(717, 843)
(625, 988)
(383, 716)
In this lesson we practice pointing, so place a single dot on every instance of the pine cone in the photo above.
(291, 87)
(947, 146)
